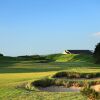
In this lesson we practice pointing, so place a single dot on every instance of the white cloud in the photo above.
(96, 34)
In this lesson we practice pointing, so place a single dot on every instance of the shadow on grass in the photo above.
(28, 70)
(26, 67)
(8, 63)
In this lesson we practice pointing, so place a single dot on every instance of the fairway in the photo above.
(14, 73)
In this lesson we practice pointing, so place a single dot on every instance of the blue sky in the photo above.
(48, 26)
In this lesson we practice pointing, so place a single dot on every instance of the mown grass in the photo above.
(14, 72)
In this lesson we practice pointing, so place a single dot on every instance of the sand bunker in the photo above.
(68, 82)
(64, 89)
(96, 88)
(60, 89)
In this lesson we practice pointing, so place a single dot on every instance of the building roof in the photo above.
(80, 51)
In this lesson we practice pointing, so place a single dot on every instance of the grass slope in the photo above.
(14, 72)
(70, 58)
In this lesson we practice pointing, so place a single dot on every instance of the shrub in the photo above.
(76, 75)
(90, 93)
(1, 55)
(60, 74)
(97, 53)
(77, 83)
(60, 82)
(29, 86)
(68, 84)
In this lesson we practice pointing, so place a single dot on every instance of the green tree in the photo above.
(97, 53)
(1, 55)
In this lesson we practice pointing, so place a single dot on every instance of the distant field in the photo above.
(14, 71)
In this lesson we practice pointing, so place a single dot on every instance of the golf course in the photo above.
(15, 71)
(49, 49)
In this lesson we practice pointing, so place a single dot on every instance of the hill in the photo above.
(70, 58)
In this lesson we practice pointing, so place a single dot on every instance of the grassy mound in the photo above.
(76, 75)
(62, 82)
(70, 58)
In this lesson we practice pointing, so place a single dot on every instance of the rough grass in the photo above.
(76, 75)
(46, 82)
(90, 93)
(14, 72)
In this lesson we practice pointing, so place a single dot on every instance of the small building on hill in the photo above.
(77, 52)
